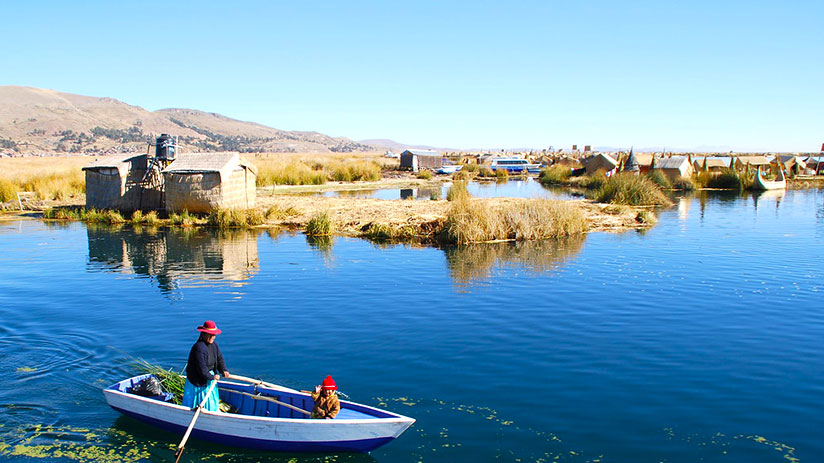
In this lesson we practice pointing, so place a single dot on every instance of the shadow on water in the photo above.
(468, 264)
(170, 256)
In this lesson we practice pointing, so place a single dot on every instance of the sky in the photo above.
(728, 75)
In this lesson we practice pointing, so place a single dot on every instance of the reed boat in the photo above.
(270, 417)
(779, 183)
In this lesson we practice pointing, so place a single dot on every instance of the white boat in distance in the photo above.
(779, 183)
(515, 165)
(270, 418)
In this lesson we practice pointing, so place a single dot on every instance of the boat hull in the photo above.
(265, 433)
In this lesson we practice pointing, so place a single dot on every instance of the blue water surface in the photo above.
(697, 340)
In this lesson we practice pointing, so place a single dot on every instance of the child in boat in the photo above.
(327, 404)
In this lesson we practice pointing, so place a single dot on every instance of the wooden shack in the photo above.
(116, 183)
(421, 159)
(201, 182)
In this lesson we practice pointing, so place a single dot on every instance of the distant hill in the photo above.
(34, 120)
(398, 147)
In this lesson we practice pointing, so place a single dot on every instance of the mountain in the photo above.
(395, 146)
(34, 120)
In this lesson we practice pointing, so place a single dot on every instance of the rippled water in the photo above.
(698, 340)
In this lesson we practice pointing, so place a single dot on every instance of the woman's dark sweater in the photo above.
(202, 358)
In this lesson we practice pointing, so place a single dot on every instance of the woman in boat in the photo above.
(205, 364)
(327, 404)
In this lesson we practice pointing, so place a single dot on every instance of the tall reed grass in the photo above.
(353, 171)
(633, 190)
(458, 191)
(235, 218)
(475, 221)
(321, 224)
(554, 175)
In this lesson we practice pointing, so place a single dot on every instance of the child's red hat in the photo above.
(329, 384)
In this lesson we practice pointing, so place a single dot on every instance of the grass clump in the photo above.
(425, 174)
(8, 190)
(633, 190)
(501, 174)
(277, 213)
(646, 217)
(235, 218)
(485, 171)
(726, 180)
(293, 173)
(683, 184)
(554, 175)
(470, 168)
(475, 221)
(659, 179)
(458, 192)
(352, 171)
(381, 232)
(184, 218)
(321, 224)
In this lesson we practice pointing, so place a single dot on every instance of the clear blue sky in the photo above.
(748, 75)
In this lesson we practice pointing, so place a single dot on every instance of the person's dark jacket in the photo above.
(202, 358)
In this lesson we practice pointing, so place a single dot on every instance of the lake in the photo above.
(522, 187)
(697, 340)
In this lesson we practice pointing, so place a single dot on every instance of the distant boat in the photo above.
(515, 165)
(270, 418)
(779, 183)
(449, 169)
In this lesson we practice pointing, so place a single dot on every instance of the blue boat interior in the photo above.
(251, 400)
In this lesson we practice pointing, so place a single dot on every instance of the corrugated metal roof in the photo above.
(423, 153)
(674, 162)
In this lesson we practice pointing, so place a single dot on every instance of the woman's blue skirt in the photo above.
(193, 395)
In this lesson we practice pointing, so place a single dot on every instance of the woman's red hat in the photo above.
(209, 327)
(329, 384)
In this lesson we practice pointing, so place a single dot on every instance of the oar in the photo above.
(180, 447)
(251, 380)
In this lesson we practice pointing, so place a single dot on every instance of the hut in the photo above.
(815, 164)
(638, 162)
(201, 182)
(600, 161)
(791, 163)
(741, 162)
(710, 164)
(421, 159)
(674, 167)
(118, 183)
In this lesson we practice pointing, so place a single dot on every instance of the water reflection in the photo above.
(469, 264)
(176, 257)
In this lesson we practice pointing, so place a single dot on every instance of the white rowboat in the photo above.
(269, 418)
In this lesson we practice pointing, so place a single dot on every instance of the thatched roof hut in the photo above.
(201, 182)
(600, 161)
(710, 164)
(114, 183)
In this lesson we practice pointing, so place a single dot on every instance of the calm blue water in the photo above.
(698, 340)
(528, 187)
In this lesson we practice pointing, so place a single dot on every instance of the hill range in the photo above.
(41, 121)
